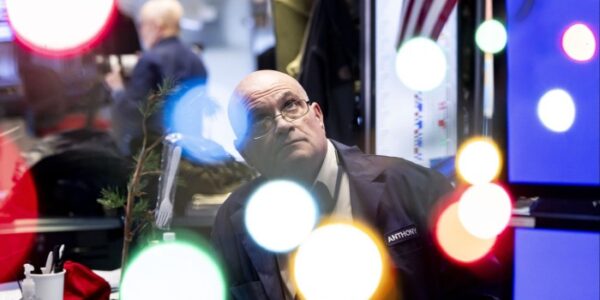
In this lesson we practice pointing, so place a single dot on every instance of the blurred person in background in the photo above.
(61, 175)
(74, 155)
(165, 57)
(285, 139)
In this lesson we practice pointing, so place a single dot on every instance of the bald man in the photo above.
(165, 57)
(285, 139)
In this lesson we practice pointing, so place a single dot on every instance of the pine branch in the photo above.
(140, 208)
(137, 214)
(111, 198)
(139, 218)
(152, 161)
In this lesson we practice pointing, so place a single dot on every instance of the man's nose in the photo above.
(282, 125)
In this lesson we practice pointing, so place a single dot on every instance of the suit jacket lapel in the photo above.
(366, 187)
(264, 262)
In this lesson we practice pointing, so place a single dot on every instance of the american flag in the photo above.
(423, 18)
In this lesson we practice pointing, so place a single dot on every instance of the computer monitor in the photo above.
(556, 264)
(552, 98)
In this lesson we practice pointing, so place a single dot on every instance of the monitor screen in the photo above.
(556, 264)
(552, 88)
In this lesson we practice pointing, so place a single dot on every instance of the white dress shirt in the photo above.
(335, 178)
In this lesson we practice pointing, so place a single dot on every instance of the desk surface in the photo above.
(524, 216)
(203, 217)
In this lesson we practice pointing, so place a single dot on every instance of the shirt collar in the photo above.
(328, 172)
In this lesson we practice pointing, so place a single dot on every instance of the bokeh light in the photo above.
(338, 261)
(491, 36)
(421, 64)
(173, 270)
(240, 119)
(207, 137)
(484, 210)
(556, 110)
(18, 200)
(579, 43)
(280, 215)
(456, 242)
(478, 161)
(60, 27)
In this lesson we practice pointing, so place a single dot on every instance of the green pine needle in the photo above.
(111, 198)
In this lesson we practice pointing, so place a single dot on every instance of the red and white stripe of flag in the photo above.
(424, 18)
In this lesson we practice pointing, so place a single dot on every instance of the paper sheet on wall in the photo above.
(418, 126)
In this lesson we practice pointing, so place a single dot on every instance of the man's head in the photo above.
(277, 132)
(159, 19)
(46, 97)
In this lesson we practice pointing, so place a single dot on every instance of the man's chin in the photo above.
(294, 156)
(294, 162)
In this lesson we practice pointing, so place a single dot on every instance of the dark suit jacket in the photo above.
(389, 194)
(168, 59)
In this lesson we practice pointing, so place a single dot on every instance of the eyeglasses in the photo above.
(292, 110)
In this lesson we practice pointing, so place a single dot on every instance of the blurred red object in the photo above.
(83, 283)
(18, 200)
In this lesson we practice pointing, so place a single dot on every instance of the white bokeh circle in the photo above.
(556, 110)
(279, 215)
(421, 64)
(579, 43)
(491, 36)
(484, 210)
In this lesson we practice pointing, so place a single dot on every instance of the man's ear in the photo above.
(318, 113)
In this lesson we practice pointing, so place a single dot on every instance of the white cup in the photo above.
(49, 286)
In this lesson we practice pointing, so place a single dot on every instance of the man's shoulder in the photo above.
(394, 170)
(384, 163)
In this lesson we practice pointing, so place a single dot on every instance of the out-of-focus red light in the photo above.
(456, 242)
(18, 200)
(60, 27)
